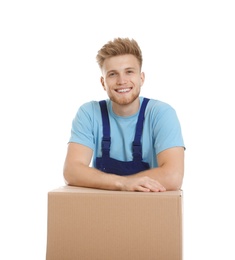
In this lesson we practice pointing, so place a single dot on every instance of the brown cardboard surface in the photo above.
(92, 224)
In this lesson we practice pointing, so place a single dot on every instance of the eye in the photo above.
(111, 74)
(130, 71)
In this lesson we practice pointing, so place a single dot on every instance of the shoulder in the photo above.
(87, 112)
(89, 108)
(158, 107)
(89, 105)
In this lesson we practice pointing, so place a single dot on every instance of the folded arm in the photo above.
(168, 176)
(170, 170)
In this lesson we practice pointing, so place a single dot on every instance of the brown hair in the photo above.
(119, 46)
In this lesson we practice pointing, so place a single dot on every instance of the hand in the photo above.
(144, 184)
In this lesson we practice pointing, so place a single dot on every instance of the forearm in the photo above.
(170, 170)
(170, 178)
(85, 176)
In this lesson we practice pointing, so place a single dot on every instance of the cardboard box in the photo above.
(93, 224)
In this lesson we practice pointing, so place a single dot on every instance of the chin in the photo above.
(124, 100)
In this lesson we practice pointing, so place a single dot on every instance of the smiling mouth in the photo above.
(123, 90)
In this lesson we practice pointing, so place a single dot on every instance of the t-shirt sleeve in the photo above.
(167, 130)
(81, 131)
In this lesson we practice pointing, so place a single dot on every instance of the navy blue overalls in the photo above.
(110, 165)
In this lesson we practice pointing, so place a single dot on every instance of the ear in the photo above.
(102, 82)
(142, 78)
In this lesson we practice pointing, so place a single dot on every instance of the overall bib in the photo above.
(110, 165)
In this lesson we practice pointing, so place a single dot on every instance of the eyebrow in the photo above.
(129, 68)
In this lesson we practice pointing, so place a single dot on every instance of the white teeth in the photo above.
(123, 90)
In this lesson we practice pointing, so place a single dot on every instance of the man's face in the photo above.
(122, 78)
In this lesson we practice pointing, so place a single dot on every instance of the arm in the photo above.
(78, 173)
(170, 171)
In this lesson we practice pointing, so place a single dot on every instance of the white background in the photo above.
(48, 69)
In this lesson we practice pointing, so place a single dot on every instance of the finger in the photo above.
(155, 187)
(142, 189)
(159, 188)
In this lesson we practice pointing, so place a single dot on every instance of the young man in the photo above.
(134, 143)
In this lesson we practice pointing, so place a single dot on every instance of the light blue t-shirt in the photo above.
(161, 130)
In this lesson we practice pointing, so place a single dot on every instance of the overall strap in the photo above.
(106, 139)
(136, 146)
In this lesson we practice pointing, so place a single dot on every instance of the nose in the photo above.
(121, 79)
